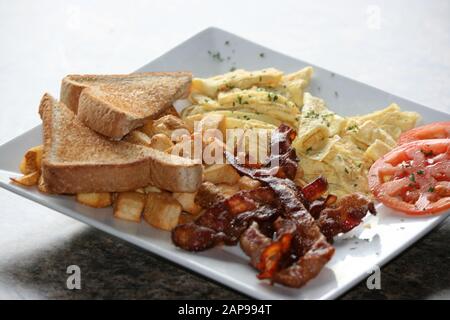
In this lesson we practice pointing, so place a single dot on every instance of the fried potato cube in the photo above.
(95, 199)
(191, 120)
(246, 183)
(167, 124)
(138, 137)
(221, 173)
(210, 121)
(148, 128)
(228, 190)
(183, 148)
(187, 202)
(162, 211)
(28, 180)
(129, 206)
(208, 194)
(32, 160)
(160, 142)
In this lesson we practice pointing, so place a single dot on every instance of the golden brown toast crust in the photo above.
(113, 105)
(76, 159)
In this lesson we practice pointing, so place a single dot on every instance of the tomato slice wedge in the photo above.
(436, 130)
(414, 178)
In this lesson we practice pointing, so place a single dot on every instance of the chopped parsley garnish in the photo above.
(325, 118)
(353, 128)
(420, 172)
(239, 99)
(412, 177)
(309, 149)
(312, 114)
(272, 97)
(216, 56)
(431, 189)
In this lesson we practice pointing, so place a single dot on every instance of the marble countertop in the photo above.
(402, 47)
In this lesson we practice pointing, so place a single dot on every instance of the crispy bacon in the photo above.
(314, 190)
(253, 242)
(297, 225)
(226, 221)
(316, 207)
(286, 231)
(345, 215)
(193, 237)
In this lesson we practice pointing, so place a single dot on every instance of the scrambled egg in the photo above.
(340, 148)
(343, 149)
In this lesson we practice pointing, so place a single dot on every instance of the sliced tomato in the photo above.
(436, 130)
(414, 178)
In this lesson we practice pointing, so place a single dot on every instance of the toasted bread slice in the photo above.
(78, 160)
(113, 105)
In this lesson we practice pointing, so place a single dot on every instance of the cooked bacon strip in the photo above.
(284, 261)
(316, 207)
(346, 215)
(302, 226)
(193, 237)
(308, 236)
(274, 255)
(273, 224)
(208, 194)
(315, 189)
(253, 242)
(307, 266)
(226, 221)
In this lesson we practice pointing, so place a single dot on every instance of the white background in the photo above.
(401, 47)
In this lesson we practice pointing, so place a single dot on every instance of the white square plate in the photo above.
(356, 253)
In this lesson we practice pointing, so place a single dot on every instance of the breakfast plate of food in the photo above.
(260, 171)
